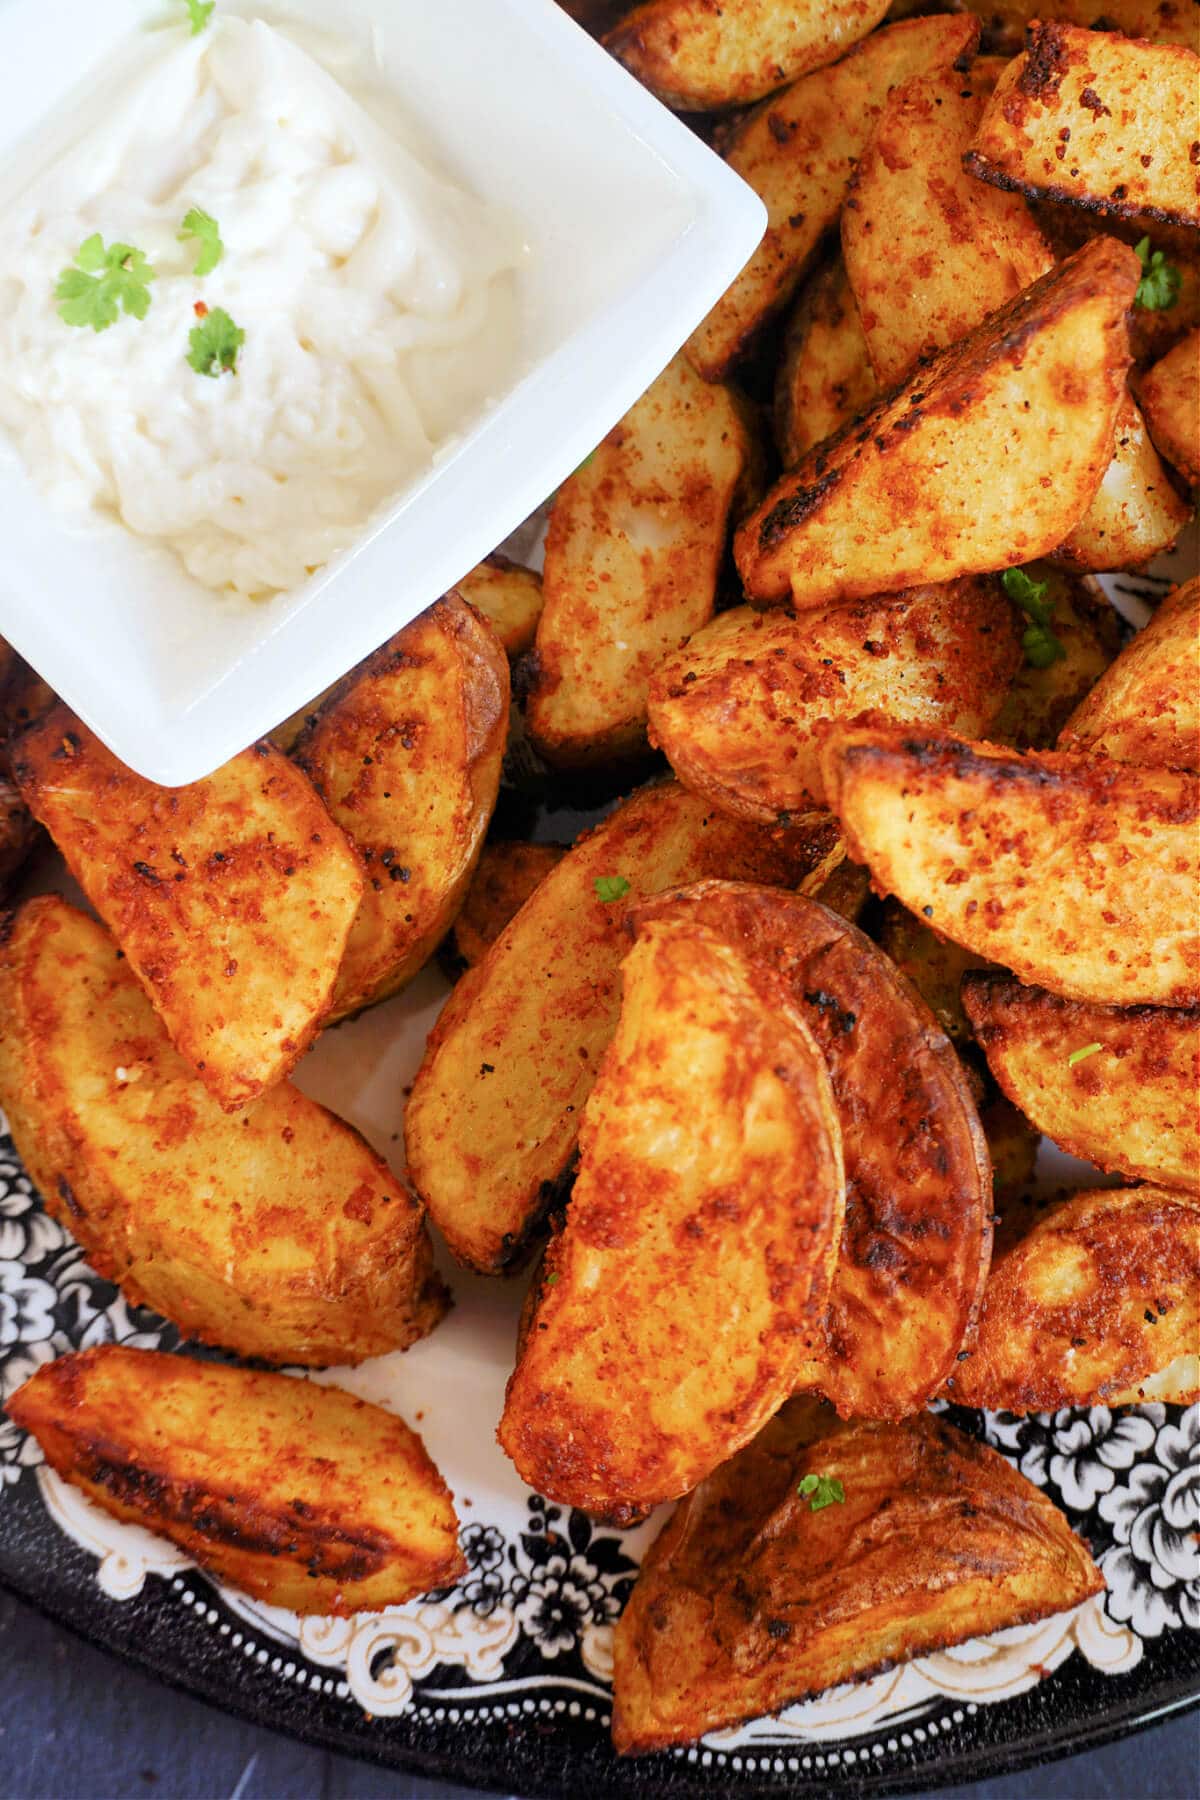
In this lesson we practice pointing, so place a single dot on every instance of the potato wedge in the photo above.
(406, 755)
(917, 1237)
(1178, 1384)
(696, 56)
(510, 598)
(741, 709)
(798, 152)
(1101, 1294)
(753, 1597)
(503, 881)
(1135, 513)
(1005, 22)
(300, 1495)
(934, 965)
(989, 455)
(1040, 700)
(1146, 707)
(1170, 397)
(279, 1233)
(18, 829)
(495, 1109)
(233, 897)
(825, 375)
(633, 552)
(1104, 121)
(1012, 1146)
(1077, 874)
(1130, 1101)
(689, 1281)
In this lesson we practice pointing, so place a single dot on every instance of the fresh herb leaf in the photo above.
(214, 344)
(105, 279)
(1159, 287)
(821, 1491)
(1038, 641)
(1085, 1050)
(610, 887)
(203, 228)
(199, 13)
(551, 1279)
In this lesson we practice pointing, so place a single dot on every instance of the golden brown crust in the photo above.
(510, 598)
(506, 875)
(1170, 397)
(1006, 22)
(824, 376)
(1146, 707)
(1135, 513)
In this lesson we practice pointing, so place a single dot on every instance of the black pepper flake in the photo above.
(398, 872)
(145, 871)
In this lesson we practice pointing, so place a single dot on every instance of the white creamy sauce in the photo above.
(377, 301)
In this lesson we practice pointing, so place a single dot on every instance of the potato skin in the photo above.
(742, 708)
(278, 1233)
(748, 1600)
(1170, 397)
(1100, 1295)
(300, 1495)
(825, 375)
(504, 878)
(232, 897)
(1146, 707)
(1131, 1106)
(1077, 874)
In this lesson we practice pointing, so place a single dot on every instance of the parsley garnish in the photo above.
(1159, 287)
(1077, 1056)
(551, 1279)
(204, 229)
(214, 344)
(1038, 641)
(821, 1491)
(610, 887)
(199, 12)
(103, 281)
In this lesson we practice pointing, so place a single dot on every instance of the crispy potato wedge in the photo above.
(696, 56)
(678, 1302)
(1170, 397)
(917, 1236)
(633, 552)
(300, 1495)
(989, 455)
(1005, 22)
(798, 152)
(279, 1233)
(406, 755)
(495, 1109)
(753, 1598)
(510, 598)
(1104, 121)
(1040, 700)
(1102, 1293)
(232, 897)
(26, 699)
(1146, 707)
(1178, 1384)
(1135, 513)
(933, 964)
(825, 375)
(742, 707)
(1076, 873)
(1129, 1102)
(503, 881)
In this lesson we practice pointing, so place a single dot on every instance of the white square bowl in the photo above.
(635, 230)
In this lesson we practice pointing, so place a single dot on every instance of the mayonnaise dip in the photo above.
(378, 302)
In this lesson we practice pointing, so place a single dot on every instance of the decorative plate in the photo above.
(504, 1681)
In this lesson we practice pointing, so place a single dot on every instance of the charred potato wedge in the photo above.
(278, 1234)
(1146, 707)
(1077, 874)
(825, 375)
(503, 881)
(633, 551)
(510, 598)
(798, 152)
(752, 1598)
(233, 897)
(406, 755)
(917, 1237)
(300, 1495)
(495, 1109)
(1170, 397)
(988, 456)
(1117, 1086)
(742, 708)
(1102, 1294)
(1135, 513)
(1103, 121)
(1041, 699)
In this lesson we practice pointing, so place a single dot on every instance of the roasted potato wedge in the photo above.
(1146, 707)
(503, 881)
(279, 1233)
(756, 1595)
(825, 375)
(1170, 397)
(232, 897)
(1103, 1293)
(933, 964)
(1005, 22)
(510, 598)
(1041, 699)
(1076, 873)
(989, 455)
(495, 1109)
(633, 552)
(798, 152)
(300, 1495)
(1104, 121)
(406, 755)
(696, 56)
(679, 1300)
(1135, 513)
(917, 1236)
(742, 707)
(1117, 1086)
